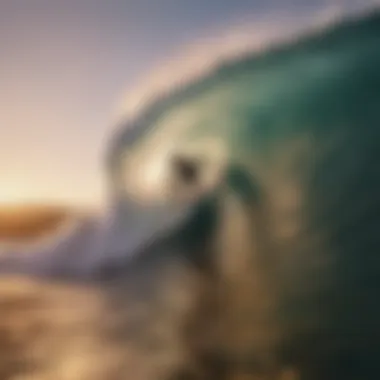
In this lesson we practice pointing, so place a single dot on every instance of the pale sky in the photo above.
(65, 63)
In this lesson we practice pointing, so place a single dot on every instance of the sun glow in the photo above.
(12, 196)
(19, 197)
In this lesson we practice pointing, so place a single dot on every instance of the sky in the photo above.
(64, 64)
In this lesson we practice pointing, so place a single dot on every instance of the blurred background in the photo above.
(64, 66)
